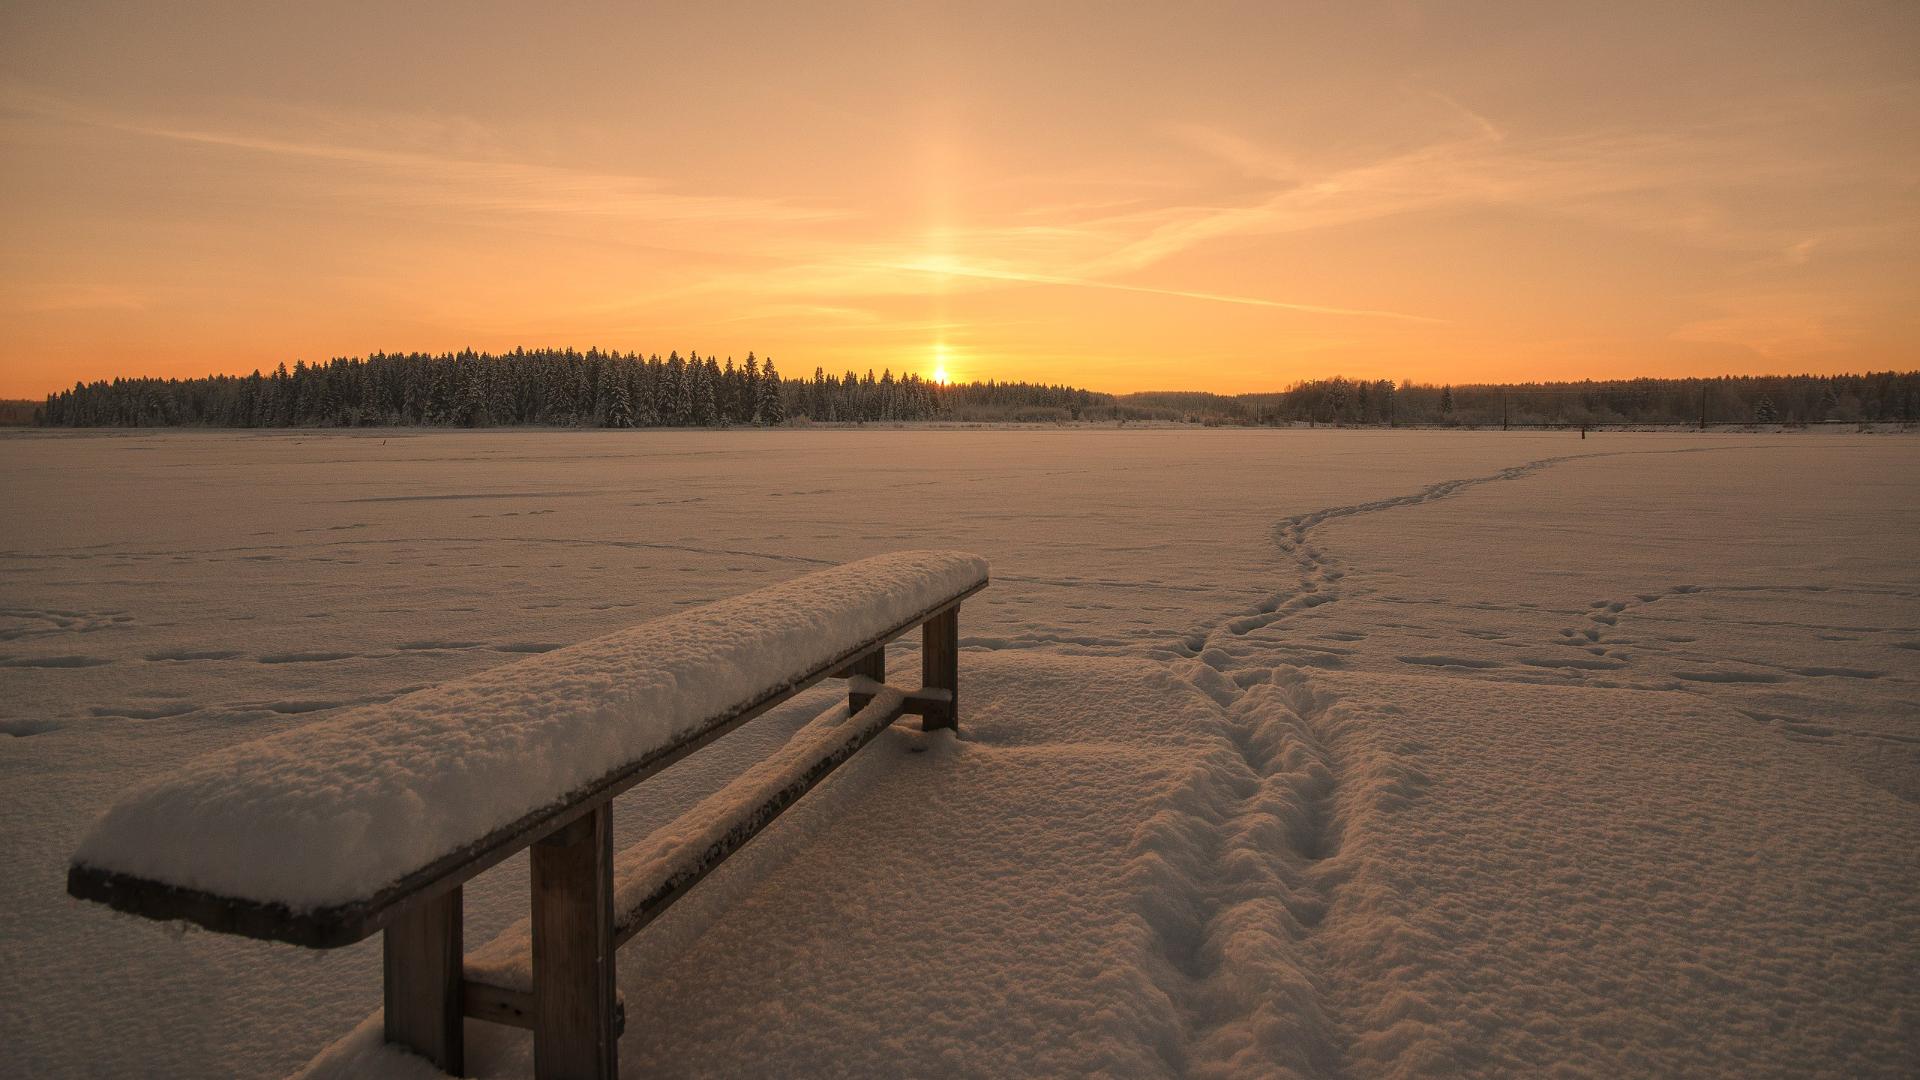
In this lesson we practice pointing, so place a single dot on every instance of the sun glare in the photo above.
(940, 375)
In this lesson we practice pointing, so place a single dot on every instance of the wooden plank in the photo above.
(872, 666)
(940, 668)
(514, 1008)
(573, 992)
(920, 702)
(497, 1004)
(422, 981)
(344, 924)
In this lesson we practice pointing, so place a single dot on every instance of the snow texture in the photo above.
(1282, 754)
(331, 812)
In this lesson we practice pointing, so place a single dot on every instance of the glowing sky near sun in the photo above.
(1121, 196)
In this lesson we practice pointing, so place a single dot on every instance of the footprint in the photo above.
(1729, 676)
(133, 712)
(55, 661)
(1449, 661)
(528, 647)
(1583, 663)
(306, 657)
(294, 708)
(189, 655)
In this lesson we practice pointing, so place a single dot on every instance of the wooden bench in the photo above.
(250, 840)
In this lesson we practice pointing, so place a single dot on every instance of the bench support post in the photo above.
(873, 666)
(421, 979)
(574, 1032)
(940, 667)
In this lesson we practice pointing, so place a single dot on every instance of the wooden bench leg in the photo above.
(940, 667)
(421, 977)
(574, 1033)
(873, 666)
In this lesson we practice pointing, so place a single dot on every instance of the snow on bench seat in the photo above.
(333, 813)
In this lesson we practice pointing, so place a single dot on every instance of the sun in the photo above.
(940, 375)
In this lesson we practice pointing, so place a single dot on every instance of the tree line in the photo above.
(1874, 397)
(569, 388)
(552, 387)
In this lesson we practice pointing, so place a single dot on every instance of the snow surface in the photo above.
(335, 810)
(1282, 753)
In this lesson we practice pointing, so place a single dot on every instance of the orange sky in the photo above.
(1121, 196)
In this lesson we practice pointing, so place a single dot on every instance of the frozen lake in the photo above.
(1351, 753)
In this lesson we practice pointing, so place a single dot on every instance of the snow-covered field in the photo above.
(1323, 753)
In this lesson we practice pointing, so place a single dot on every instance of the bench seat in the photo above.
(311, 836)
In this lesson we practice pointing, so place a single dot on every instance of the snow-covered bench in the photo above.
(372, 820)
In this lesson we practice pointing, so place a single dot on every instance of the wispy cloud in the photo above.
(807, 313)
(449, 180)
(949, 268)
(880, 256)
(1669, 181)
(1077, 244)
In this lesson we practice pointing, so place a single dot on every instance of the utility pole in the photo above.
(1503, 410)
(1703, 406)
